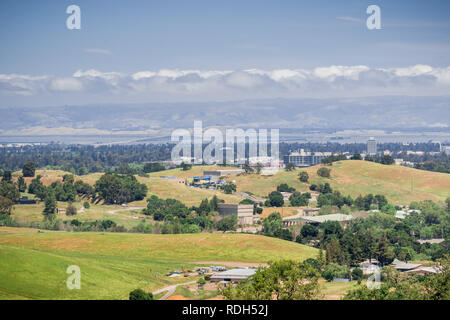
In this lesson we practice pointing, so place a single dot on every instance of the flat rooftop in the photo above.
(235, 274)
(340, 217)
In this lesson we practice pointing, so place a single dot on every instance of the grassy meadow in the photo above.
(33, 264)
(399, 184)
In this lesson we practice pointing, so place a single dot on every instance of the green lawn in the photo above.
(33, 265)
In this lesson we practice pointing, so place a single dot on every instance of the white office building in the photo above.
(371, 147)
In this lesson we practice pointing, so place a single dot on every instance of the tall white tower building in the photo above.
(371, 147)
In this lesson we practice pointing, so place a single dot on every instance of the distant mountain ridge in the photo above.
(371, 113)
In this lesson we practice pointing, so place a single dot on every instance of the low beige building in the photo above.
(244, 212)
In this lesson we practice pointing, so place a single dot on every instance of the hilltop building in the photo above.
(305, 159)
(371, 147)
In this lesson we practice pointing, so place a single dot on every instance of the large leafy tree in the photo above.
(227, 224)
(21, 184)
(283, 280)
(272, 225)
(9, 190)
(28, 169)
(113, 188)
(303, 176)
(36, 187)
(6, 205)
(276, 199)
(7, 176)
(383, 251)
(49, 203)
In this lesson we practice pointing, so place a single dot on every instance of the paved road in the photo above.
(125, 209)
(247, 196)
(170, 290)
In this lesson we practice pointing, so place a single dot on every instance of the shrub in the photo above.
(357, 274)
(324, 172)
(139, 294)
(71, 210)
(303, 176)
(276, 199)
(328, 275)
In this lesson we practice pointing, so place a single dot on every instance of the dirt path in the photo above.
(124, 209)
(170, 289)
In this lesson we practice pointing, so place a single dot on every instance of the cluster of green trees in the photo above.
(273, 227)
(382, 237)
(105, 225)
(65, 191)
(402, 286)
(257, 168)
(83, 159)
(379, 236)
(178, 218)
(118, 189)
(275, 199)
(431, 162)
(334, 158)
(9, 193)
(328, 197)
(228, 188)
(291, 280)
(285, 188)
(153, 167)
(289, 166)
(385, 159)
(298, 199)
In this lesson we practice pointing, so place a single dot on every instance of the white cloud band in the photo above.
(322, 82)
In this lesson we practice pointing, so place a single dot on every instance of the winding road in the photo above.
(170, 290)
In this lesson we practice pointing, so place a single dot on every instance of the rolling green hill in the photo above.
(33, 265)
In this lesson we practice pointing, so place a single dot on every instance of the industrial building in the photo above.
(233, 275)
(343, 219)
(244, 212)
(305, 159)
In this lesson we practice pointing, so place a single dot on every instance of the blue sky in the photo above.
(127, 37)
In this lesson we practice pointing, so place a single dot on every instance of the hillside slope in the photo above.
(400, 185)
(33, 265)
